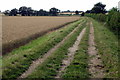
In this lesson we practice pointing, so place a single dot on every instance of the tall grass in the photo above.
(107, 45)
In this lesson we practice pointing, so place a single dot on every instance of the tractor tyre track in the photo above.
(39, 61)
(95, 62)
(70, 56)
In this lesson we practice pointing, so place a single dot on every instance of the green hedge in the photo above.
(99, 17)
(112, 19)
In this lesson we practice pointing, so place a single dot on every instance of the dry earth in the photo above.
(15, 28)
(95, 62)
(71, 52)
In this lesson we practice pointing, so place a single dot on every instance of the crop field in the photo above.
(18, 29)
(84, 48)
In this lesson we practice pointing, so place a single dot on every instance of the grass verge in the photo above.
(107, 45)
(16, 62)
(49, 68)
(78, 67)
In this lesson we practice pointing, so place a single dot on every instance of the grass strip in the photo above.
(48, 69)
(107, 45)
(16, 62)
(78, 67)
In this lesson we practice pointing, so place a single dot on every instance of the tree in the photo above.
(54, 11)
(98, 8)
(29, 11)
(76, 12)
(13, 12)
(82, 14)
(6, 12)
(88, 11)
(23, 11)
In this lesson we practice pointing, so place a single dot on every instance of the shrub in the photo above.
(112, 19)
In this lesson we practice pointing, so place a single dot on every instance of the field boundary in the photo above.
(8, 47)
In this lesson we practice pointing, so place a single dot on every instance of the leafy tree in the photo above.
(6, 12)
(23, 10)
(42, 12)
(54, 11)
(29, 11)
(82, 14)
(76, 12)
(88, 11)
(13, 12)
(98, 8)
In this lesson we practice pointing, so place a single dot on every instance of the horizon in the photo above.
(61, 5)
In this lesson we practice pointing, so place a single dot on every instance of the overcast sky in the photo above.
(81, 5)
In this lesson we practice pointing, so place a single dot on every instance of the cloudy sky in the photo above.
(81, 5)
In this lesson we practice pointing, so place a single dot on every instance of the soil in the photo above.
(95, 62)
(71, 52)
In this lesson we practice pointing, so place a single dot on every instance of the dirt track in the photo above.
(95, 63)
(72, 50)
(41, 60)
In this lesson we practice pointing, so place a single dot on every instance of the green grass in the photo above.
(16, 62)
(78, 67)
(107, 45)
(0, 67)
(48, 69)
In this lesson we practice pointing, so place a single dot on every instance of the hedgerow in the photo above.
(112, 20)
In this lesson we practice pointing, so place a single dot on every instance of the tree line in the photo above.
(98, 8)
(111, 17)
(28, 11)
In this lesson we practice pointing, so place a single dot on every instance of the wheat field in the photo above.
(15, 28)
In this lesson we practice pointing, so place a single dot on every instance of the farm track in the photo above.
(76, 55)
(70, 56)
(95, 62)
(39, 61)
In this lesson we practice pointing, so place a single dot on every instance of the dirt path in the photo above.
(41, 60)
(71, 52)
(95, 63)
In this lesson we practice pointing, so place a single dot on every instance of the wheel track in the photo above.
(95, 62)
(39, 61)
(71, 52)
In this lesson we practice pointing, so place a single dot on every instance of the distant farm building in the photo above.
(70, 13)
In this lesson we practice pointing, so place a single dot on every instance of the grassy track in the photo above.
(16, 62)
(49, 68)
(107, 45)
(19, 60)
(78, 67)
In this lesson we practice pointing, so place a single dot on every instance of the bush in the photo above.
(112, 19)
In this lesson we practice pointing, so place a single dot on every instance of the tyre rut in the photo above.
(95, 62)
(70, 56)
(39, 61)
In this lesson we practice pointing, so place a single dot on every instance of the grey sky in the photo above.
(82, 5)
